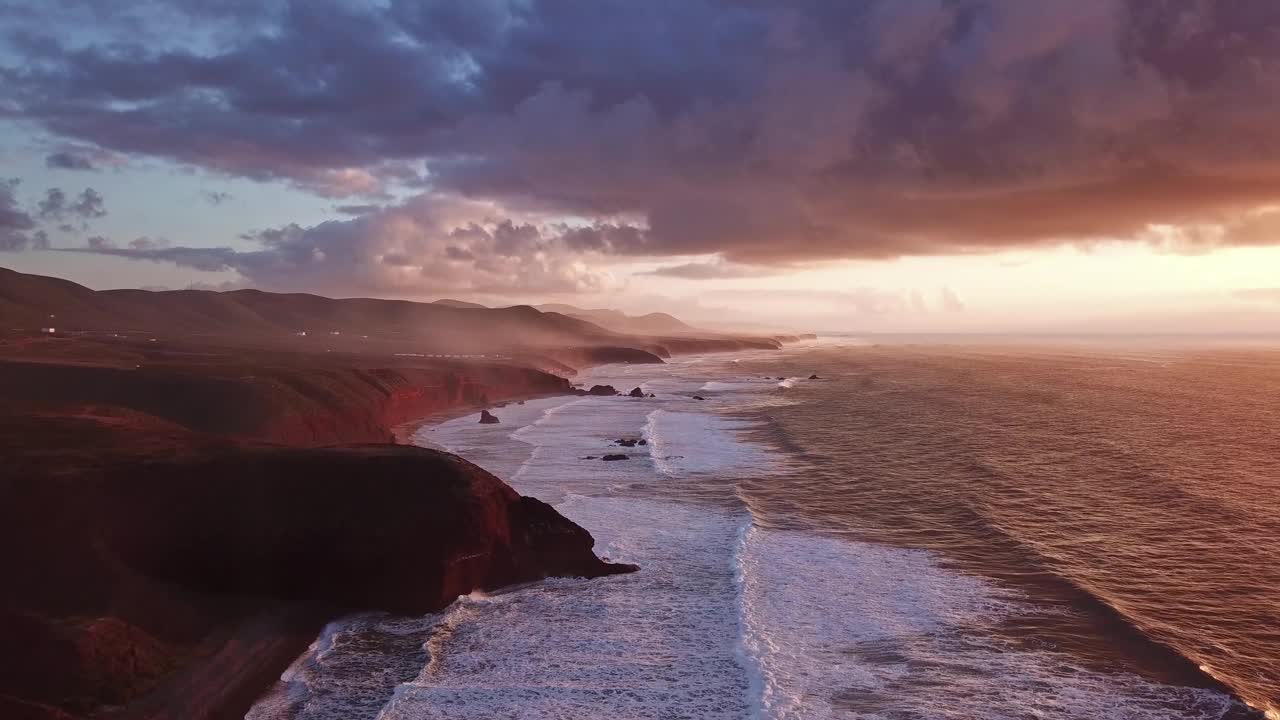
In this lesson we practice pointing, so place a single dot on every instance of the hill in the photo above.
(311, 323)
(651, 324)
(449, 302)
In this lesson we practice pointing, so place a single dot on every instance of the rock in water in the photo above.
(611, 458)
(814, 377)
(487, 418)
(627, 442)
(602, 390)
(636, 393)
(698, 397)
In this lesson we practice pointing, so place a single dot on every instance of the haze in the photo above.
(886, 165)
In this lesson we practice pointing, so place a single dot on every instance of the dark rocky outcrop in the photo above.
(698, 397)
(814, 377)
(636, 393)
(612, 458)
(488, 418)
(626, 442)
(183, 587)
(602, 390)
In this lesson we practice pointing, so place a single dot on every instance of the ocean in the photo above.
(925, 530)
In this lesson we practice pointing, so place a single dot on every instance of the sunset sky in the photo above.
(889, 165)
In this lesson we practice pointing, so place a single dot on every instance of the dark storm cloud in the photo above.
(763, 132)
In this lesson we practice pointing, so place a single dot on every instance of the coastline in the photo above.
(404, 432)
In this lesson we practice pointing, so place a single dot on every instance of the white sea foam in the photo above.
(684, 444)
(845, 629)
(724, 620)
(655, 644)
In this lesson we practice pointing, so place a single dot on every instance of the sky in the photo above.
(828, 165)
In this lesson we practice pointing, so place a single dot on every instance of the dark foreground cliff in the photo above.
(172, 536)
(126, 578)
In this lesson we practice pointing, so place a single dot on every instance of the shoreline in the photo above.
(404, 432)
(244, 659)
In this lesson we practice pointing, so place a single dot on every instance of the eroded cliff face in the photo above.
(395, 528)
(314, 405)
(172, 536)
(118, 575)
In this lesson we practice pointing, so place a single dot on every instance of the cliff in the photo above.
(172, 536)
(127, 577)
(307, 402)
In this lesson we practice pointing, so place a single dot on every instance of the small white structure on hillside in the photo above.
(49, 331)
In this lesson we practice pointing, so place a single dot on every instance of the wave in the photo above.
(684, 444)
(840, 628)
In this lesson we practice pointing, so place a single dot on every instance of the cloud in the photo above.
(14, 221)
(949, 300)
(427, 244)
(56, 206)
(146, 243)
(81, 158)
(64, 160)
(759, 132)
(716, 269)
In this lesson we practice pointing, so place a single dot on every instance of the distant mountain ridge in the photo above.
(450, 302)
(302, 321)
(656, 323)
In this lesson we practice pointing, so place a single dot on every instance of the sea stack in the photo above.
(488, 418)
(636, 393)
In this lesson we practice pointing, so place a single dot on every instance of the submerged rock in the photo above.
(488, 418)
(611, 458)
(698, 397)
(629, 442)
(814, 377)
